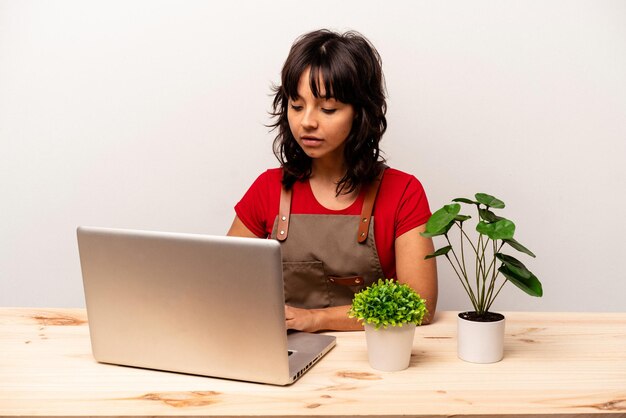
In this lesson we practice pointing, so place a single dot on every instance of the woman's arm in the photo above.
(238, 229)
(412, 269)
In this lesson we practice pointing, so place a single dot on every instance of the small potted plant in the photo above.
(389, 311)
(481, 332)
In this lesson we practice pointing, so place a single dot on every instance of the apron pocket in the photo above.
(342, 289)
(305, 284)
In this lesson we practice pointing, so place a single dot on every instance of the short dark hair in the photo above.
(350, 68)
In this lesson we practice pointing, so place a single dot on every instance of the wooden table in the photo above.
(555, 365)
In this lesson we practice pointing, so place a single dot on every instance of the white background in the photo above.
(151, 114)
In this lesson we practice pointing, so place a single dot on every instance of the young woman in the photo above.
(343, 218)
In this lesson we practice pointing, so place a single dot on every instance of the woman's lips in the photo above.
(311, 141)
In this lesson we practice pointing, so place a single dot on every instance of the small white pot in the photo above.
(389, 349)
(480, 342)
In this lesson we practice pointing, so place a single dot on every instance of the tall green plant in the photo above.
(493, 233)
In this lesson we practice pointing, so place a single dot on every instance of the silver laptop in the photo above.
(198, 304)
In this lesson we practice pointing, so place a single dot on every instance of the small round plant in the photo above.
(386, 303)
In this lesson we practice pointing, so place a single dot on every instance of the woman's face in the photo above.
(320, 126)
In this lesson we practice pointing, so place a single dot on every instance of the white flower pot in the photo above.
(480, 342)
(389, 349)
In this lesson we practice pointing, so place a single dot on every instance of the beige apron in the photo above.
(345, 243)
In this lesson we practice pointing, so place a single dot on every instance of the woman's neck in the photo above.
(328, 172)
(324, 179)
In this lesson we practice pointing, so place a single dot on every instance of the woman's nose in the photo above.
(309, 120)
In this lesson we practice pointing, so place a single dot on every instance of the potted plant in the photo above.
(389, 311)
(481, 332)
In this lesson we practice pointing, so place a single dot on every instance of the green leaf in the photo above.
(519, 247)
(532, 285)
(514, 265)
(441, 251)
(439, 220)
(488, 200)
(388, 303)
(444, 231)
(464, 200)
(503, 229)
(488, 216)
(462, 218)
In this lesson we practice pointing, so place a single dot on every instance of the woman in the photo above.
(343, 218)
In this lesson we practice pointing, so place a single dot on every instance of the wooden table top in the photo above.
(555, 365)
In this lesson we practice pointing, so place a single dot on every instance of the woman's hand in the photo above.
(313, 320)
(301, 319)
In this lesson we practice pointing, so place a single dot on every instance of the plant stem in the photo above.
(467, 290)
(477, 273)
(494, 273)
(497, 293)
(493, 261)
(464, 279)
(484, 275)
(470, 241)
(462, 247)
(473, 295)
(461, 266)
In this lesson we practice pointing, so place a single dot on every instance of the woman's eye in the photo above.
(296, 108)
(329, 111)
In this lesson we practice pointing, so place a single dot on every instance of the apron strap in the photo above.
(283, 214)
(368, 207)
(284, 210)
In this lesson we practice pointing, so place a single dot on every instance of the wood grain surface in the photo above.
(555, 365)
